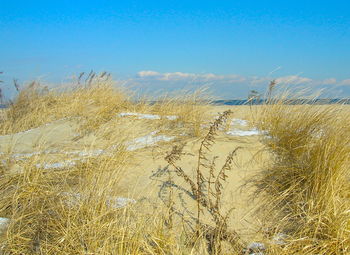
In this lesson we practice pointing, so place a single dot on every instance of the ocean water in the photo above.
(287, 101)
(263, 101)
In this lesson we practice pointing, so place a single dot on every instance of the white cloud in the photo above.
(225, 85)
(260, 80)
(293, 79)
(329, 81)
(233, 78)
(147, 73)
(165, 76)
(176, 76)
(345, 82)
(180, 76)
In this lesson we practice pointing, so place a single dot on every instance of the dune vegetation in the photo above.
(305, 185)
(91, 170)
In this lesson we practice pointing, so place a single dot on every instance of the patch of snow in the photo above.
(25, 155)
(146, 116)
(73, 199)
(22, 156)
(147, 140)
(256, 246)
(239, 122)
(279, 239)
(318, 134)
(4, 222)
(171, 117)
(238, 132)
(92, 153)
(234, 122)
(57, 165)
(119, 202)
(140, 115)
(255, 249)
(137, 143)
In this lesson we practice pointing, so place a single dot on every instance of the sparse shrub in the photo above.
(206, 189)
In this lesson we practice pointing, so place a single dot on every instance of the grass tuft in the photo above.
(305, 187)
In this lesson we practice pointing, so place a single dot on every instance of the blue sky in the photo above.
(230, 46)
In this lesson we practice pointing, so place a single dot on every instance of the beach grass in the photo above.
(71, 190)
(305, 185)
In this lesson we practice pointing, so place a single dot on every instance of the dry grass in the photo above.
(97, 103)
(206, 189)
(190, 107)
(36, 105)
(305, 187)
(70, 210)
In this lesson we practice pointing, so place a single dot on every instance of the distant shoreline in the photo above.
(263, 101)
(287, 101)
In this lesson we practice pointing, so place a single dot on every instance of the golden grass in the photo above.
(190, 107)
(35, 105)
(306, 187)
(69, 210)
(97, 104)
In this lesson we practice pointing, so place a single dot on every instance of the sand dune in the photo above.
(61, 139)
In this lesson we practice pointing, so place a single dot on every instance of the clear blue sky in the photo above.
(241, 44)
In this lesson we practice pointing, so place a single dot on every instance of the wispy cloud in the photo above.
(175, 76)
(228, 84)
(147, 73)
(329, 81)
(345, 82)
(293, 79)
